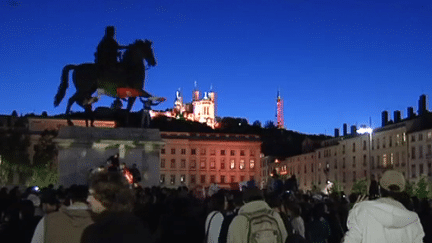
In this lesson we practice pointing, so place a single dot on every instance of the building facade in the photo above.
(201, 159)
(400, 144)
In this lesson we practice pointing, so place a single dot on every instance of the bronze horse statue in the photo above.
(88, 77)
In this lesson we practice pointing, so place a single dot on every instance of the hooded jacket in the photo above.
(239, 227)
(64, 226)
(383, 220)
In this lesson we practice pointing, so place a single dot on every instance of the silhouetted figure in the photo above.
(135, 173)
(107, 52)
(148, 103)
(373, 189)
(113, 162)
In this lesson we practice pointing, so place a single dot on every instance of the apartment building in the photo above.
(200, 159)
(399, 144)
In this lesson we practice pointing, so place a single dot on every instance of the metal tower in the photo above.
(279, 111)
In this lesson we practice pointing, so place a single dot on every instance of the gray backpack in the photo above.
(263, 227)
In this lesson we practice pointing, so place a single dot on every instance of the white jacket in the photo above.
(384, 220)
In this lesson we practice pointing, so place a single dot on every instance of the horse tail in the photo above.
(63, 85)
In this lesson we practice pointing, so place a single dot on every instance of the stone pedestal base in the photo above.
(82, 149)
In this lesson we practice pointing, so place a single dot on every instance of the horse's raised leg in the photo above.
(131, 101)
(71, 100)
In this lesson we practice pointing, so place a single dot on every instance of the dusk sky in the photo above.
(334, 62)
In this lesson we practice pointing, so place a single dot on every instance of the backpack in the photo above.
(263, 227)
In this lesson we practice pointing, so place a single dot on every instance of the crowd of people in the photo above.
(109, 209)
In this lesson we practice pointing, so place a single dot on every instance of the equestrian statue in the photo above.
(120, 80)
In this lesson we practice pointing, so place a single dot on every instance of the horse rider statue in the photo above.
(107, 53)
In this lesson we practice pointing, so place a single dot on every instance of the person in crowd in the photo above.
(296, 221)
(257, 212)
(319, 228)
(112, 201)
(218, 205)
(113, 162)
(180, 222)
(136, 174)
(385, 219)
(68, 223)
(425, 215)
(237, 203)
(49, 201)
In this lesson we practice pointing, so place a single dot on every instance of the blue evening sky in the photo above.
(335, 62)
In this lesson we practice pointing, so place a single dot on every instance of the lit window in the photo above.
(182, 179)
(162, 179)
(242, 164)
(232, 164)
(252, 164)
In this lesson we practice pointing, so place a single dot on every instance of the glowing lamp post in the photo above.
(369, 131)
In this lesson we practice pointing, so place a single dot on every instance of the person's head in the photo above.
(252, 194)
(78, 193)
(110, 31)
(217, 201)
(293, 209)
(392, 183)
(109, 191)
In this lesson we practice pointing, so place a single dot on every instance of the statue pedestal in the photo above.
(82, 149)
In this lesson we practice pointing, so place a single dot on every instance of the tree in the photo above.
(360, 187)
(269, 125)
(256, 124)
(45, 150)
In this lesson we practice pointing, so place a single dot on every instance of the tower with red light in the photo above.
(279, 111)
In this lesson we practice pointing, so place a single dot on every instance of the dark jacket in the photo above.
(116, 228)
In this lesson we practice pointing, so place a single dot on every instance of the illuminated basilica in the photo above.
(202, 108)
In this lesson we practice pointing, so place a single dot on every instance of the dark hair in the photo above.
(252, 194)
(294, 208)
(217, 201)
(112, 190)
(78, 193)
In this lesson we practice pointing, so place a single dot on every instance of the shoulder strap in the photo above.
(208, 228)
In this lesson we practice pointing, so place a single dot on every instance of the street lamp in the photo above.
(369, 131)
